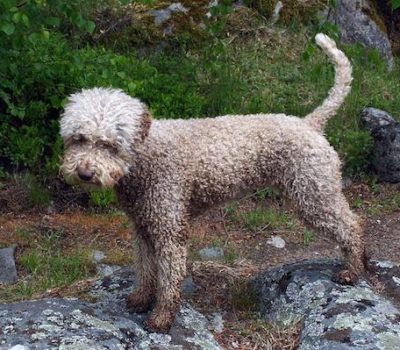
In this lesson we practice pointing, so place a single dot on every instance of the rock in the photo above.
(104, 324)
(355, 26)
(346, 182)
(188, 286)
(104, 270)
(98, 256)
(216, 323)
(388, 275)
(277, 242)
(163, 15)
(333, 316)
(374, 118)
(386, 134)
(213, 253)
(275, 14)
(8, 270)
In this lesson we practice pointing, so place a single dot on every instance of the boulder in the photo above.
(102, 324)
(212, 253)
(333, 316)
(8, 270)
(386, 134)
(357, 26)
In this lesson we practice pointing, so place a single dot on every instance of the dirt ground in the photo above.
(222, 285)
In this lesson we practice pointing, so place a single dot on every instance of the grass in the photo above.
(387, 205)
(44, 264)
(116, 256)
(103, 199)
(267, 218)
(243, 297)
(308, 237)
(256, 333)
(270, 74)
(37, 194)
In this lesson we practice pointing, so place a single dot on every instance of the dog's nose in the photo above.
(85, 174)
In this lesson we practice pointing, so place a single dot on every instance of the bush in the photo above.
(33, 90)
(43, 60)
(32, 82)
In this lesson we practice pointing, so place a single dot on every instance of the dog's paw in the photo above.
(137, 302)
(346, 277)
(159, 322)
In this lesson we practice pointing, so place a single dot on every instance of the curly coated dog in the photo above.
(167, 171)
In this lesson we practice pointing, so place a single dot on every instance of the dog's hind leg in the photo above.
(145, 267)
(314, 184)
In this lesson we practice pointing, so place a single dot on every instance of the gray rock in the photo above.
(104, 270)
(333, 316)
(103, 324)
(8, 270)
(98, 256)
(188, 286)
(216, 323)
(163, 15)
(277, 242)
(386, 134)
(346, 182)
(357, 27)
(213, 253)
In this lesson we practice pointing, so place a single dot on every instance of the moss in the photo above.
(373, 12)
(243, 21)
(292, 11)
(302, 11)
(132, 26)
(264, 7)
(136, 27)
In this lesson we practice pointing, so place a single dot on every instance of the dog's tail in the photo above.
(318, 118)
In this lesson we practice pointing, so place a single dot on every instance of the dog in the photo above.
(165, 172)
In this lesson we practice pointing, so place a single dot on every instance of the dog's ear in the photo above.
(145, 123)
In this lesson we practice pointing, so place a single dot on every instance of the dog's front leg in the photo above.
(146, 272)
(171, 269)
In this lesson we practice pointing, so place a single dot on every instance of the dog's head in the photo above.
(100, 127)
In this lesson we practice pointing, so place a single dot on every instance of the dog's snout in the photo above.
(85, 174)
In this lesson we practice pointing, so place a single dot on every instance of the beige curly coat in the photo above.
(166, 171)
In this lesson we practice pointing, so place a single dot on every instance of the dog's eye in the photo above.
(106, 145)
(78, 139)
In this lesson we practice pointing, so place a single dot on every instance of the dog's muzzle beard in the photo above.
(89, 176)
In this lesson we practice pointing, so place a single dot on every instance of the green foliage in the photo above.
(55, 269)
(356, 147)
(358, 202)
(395, 4)
(38, 195)
(43, 60)
(32, 83)
(103, 198)
(308, 237)
(262, 218)
(44, 264)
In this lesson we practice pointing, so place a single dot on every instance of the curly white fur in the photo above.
(339, 91)
(167, 171)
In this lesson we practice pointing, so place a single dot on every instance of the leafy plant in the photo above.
(103, 198)
(308, 237)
